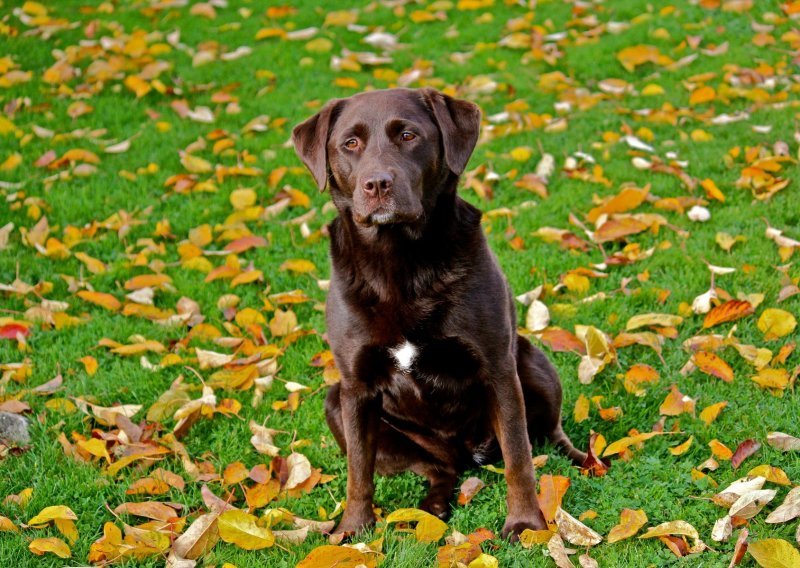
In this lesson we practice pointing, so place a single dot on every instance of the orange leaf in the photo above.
(676, 403)
(619, 228)
(551, 492)
(712, 364)
(101, 299)
(729, 311)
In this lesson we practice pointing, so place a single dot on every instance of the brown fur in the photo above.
(411, 264)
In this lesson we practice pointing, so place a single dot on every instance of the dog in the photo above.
(421, 320)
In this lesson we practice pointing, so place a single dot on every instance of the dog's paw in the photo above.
(514, 527)
(354, 521)
(436, 505)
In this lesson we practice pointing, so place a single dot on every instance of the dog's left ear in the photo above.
(459, 122)
(310, 139)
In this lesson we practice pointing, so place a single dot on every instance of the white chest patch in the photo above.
(404, 355)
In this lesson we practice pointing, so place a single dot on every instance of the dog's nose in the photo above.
(378, 182)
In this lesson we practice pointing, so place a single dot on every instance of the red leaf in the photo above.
(744, 451)
(10, 331)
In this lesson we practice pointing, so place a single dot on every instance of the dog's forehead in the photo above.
(377, 107)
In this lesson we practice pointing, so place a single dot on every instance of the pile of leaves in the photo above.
(163, 273)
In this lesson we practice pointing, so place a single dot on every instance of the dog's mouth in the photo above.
(386, 216)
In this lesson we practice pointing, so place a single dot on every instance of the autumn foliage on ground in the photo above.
(163, 272)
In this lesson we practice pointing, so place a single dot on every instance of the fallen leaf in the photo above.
(744, 451)
(240, 528)
(788, 510)
(731, 310)
(429, 528)
(40, 546)
(774, 553)
(630, 521)
(775, 323)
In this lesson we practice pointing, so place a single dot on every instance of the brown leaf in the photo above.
(783, 442)
(199, 538)
(469, 489)
(558, 552)
(740, 548)
(712, 364)
(148, 509)
(788, 510)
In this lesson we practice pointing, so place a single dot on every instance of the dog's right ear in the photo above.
(310, 139)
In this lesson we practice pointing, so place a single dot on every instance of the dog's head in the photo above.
(386, 155)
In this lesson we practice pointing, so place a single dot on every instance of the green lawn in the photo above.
(227, 84)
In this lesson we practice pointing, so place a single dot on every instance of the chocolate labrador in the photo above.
(421, 321)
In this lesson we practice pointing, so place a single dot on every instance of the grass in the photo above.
(278, 79)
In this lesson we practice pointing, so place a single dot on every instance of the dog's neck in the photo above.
(396, 263)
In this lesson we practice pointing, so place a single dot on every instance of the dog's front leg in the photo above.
(360, 416)
(508, 417)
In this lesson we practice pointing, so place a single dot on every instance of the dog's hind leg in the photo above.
(542, 390)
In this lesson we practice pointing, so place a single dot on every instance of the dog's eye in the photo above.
(351, 144)
(408, 136)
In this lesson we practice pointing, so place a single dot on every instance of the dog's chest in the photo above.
(422, 366)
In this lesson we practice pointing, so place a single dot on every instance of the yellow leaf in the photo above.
(772, 378)
(530, 537)
(682, 448)
(11, 162)
(770, 473)
(774, 553)
(630, 521)
(712, 191)
(52, 513)
(319, 45)
(581, 412)
(243, 198)
(95, 447)
(775, 323)
(6, 525)
(429, 528)
(67, 528)
(710, 412)
(624, 443)
(342, 18)
(240, 528)
(138, 85)
(661, 320)
(672, 528)
(95, 266)
(298, 265)
(40, 546)
(195, 164)
(521, 154)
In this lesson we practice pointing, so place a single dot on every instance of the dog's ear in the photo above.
(459, 122)
(310, 139)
